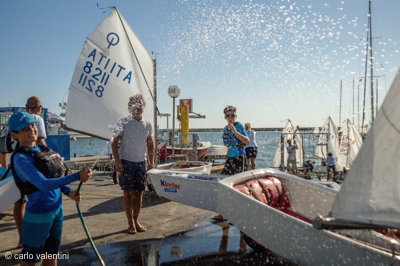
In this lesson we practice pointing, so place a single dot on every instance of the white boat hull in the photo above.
(288, 236)
(9, 193)
(279, 231)
(197, 190)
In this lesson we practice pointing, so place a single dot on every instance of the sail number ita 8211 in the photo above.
(93, 79)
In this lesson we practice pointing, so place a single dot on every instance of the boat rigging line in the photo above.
(138, 62)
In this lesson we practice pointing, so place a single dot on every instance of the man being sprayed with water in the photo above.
(235, 138)
(132, 143)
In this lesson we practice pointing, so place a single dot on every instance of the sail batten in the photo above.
(113, 66)
(371, 191)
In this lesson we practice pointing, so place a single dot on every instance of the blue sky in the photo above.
(273, 59)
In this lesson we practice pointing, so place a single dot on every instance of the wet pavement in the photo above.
(177, 234)
(204, 244)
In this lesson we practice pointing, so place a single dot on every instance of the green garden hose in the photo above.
(87, 231)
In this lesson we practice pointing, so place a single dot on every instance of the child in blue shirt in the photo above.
(43, 219)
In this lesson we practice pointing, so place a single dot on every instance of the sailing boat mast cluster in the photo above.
(368, 62)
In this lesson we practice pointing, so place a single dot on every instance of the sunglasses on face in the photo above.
(33, 107)
(230, 116)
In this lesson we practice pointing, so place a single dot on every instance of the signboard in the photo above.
(188, 102)
(174, 91)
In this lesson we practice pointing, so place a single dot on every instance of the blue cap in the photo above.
(20, 120)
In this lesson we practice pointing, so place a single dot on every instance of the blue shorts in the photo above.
(41, 233)
(133, 175)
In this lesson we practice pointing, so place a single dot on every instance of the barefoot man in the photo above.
(131, 146)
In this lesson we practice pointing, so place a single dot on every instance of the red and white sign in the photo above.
(188, 102)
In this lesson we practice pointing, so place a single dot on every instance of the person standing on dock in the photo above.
(39, 174)
(34, 107)
(251, 148)
(331, 163)
(291, 150)
(235, 138)
(130, 147)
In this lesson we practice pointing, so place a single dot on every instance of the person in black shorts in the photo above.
(133, 150)
(235, 138)
(251, 148)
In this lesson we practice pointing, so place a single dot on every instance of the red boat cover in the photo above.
(268, 190)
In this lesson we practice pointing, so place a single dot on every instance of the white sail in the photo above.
(371, 191)
(328, 140)
(112, 66)
(289, 132)
(350, 144)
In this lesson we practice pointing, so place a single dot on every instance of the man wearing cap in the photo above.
(43, 219)
(131, 145)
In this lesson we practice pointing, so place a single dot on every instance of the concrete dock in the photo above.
(102, 209)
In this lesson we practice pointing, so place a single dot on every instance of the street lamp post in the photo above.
(174, 92)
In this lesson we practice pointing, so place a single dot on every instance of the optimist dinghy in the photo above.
(9, 192)
(276, 210)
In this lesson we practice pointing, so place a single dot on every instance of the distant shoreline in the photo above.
(255, 129)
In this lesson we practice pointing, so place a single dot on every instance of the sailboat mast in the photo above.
(376, 96)
(353, 101)
(371, 62)
(358, 104)
(155, 110)
(366, 71)
(340, 104)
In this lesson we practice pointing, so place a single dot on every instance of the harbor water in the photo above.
(267, 142)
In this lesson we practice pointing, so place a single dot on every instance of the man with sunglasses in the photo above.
(235, 138)
(133, 150)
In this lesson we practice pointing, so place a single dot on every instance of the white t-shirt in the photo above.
(133, 144)
(252, 137)
(40, 126)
